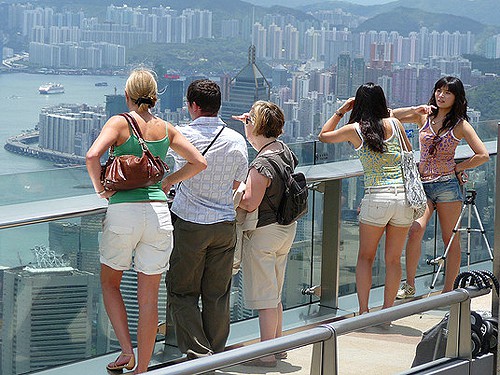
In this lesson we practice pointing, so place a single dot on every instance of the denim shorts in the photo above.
(444, 191)
(385, 205)
(138, 234)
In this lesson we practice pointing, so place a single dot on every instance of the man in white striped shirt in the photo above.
(204, 227)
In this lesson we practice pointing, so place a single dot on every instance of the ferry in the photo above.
(51, 88)
(101, 84)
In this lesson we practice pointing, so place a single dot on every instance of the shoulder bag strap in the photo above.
(278, 171)
(402, 144)
(208, 147)
(280, 174)
(137, 131)
(213, 140)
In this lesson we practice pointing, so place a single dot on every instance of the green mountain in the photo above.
(484, 11)
(486, 98)
(406, 20)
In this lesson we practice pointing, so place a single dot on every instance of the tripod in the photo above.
(469, 204)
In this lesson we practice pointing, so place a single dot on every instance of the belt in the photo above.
(395, 189)
(444, 178)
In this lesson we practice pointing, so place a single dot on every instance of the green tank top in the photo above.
(150, 193)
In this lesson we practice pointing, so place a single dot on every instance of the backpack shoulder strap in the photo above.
(280, 174)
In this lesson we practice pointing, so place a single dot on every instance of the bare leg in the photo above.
(448, 214)
(414, 244)
(279, 325)
(369, 237)
(268, 324)
(147, 296)
(115, 308)
(394, 242)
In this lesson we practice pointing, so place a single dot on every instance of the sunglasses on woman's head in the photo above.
(248, 121)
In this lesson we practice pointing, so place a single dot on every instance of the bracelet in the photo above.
(340, 114)
(101, 192)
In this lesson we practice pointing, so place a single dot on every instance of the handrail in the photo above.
(21, 214)
(63, 208)
(318, 334)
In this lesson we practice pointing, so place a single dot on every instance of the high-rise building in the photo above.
(259, 40)
(249, 85)
(171, 89)
(47, 317)
(493, 47)
(275, 42)
(115, 104)
(280, 76)
(344, 76)
(291, 37)
(404, 86)
(358, 74)
(427, 77)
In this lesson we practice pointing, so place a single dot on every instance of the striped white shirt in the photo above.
(207, 197)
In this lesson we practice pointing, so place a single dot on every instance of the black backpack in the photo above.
(293, 204)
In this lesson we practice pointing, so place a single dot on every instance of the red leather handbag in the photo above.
(127, 172)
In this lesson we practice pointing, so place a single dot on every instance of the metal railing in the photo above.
(324, 337)
(329, 175)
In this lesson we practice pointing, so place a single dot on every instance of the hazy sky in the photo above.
(293, 3)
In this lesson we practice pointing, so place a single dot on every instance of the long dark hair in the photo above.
(458, 110)
(370, 107)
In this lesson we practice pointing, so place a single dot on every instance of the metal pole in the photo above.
(331, 244)
(496, 245)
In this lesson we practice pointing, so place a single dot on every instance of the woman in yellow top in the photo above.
(374, 135)
(137, 228)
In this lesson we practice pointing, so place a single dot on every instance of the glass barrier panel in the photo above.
(44, 185)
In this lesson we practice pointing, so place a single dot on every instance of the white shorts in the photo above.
(140, 232)
(384, 205)
(264, 256)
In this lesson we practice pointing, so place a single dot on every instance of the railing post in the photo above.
(324, 357)
(331, 244)
(459, 331)
(496, 244)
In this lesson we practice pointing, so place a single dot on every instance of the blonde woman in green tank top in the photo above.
(383, 209)
(137, 221)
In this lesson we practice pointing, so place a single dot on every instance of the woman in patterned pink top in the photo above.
(442, 124)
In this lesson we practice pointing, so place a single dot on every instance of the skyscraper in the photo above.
(358, 74)
(115, 104)
(248, 86)
(171, 89)
(47, 316)
(344, 76)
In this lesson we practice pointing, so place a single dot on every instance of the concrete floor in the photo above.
(374, 350)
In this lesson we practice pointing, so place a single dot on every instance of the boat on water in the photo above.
(101, 84)
(51, 88)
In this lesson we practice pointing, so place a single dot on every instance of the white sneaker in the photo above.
(405, 291)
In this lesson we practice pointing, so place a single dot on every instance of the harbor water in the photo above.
(21, 103)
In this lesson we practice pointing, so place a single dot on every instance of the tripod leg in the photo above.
(483, 232)
(440, 260)
(441, 263)
(469, 221)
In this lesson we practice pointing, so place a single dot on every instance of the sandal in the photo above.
(127, 365)
(281, 355)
